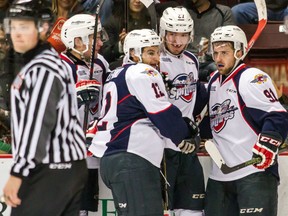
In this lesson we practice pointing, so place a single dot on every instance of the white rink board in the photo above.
(106, 197)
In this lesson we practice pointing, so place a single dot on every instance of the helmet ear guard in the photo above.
(138, 39)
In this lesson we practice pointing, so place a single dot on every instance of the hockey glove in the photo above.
(188, 146)
(87, 92)
(90, 133)
(267, 148)
(191, 144)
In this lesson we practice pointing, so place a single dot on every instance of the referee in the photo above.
(49, 170)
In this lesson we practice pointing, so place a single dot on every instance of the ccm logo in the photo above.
(250, 210)
(270, 140)
(122, 205)
(198, 196)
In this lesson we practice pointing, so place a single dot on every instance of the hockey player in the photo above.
(77, 35)
(247, 121)
(49, 169)
(135, 117)
(180, 67)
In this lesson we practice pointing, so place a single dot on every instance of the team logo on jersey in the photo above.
(220, 114)
(150, 72)
(260, 79)
(184, 86)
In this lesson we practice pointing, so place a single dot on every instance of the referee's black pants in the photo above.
(52, 190)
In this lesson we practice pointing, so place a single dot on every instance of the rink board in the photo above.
(106, 206)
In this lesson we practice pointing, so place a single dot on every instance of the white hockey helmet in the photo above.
(230, 33)
(138, 39)
(176, 19)
(79, 25)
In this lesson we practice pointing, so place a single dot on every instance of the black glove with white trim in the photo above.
(191, 144)
(87, 92)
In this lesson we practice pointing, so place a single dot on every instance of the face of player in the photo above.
(151, 56)
(176, 42)
(81, 47)
(223, 55)
(98, 44)
(24, 35)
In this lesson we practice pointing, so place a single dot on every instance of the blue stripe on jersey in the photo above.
(129, 110)
(193, 57)
(255, 126)
(174, 128)
(104, 74)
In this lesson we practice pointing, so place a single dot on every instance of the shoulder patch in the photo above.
(150, 72)
(260, 79)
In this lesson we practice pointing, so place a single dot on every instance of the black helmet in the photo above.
(37, 10)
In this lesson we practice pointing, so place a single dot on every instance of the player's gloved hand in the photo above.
(188, 146)
(191, 144)
(168, 83)
(91, 131)
(267, 148)
(87, 92)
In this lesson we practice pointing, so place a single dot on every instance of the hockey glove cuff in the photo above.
(192, 126)
(90, 132)
(87, 92)
(267, 148)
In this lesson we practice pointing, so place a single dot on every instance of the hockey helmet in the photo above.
(80, 25)
(138, 39)
(232, 34)
(176, 19)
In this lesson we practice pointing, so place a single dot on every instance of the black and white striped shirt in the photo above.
(45, 121)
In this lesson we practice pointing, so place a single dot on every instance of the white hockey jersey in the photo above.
(182, 70)
(81, 71)
(136, 115)
(240, 107)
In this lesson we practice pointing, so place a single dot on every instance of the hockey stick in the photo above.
(163, 172)
(220, 162)
(262, 21)
(200, 117)
(86, 112)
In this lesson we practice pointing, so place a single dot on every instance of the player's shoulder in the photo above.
(190, 58)
(141, 71)
(102, 59)
(190, 55)
(252, 74)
